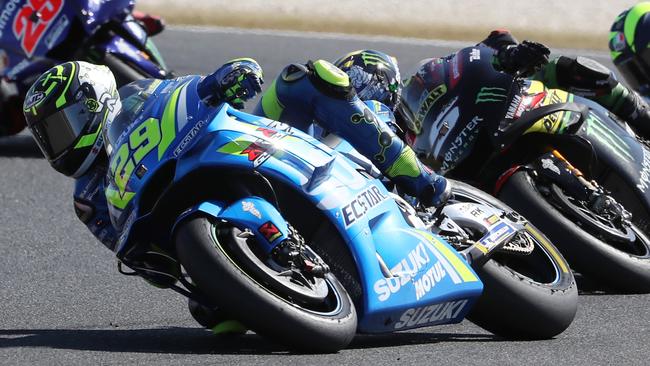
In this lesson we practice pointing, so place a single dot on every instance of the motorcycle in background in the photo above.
(564, 162)
(38, 34)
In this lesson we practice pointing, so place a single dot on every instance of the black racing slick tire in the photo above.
(123, 73)
(623, 269)
(532, 296)
(206, 255)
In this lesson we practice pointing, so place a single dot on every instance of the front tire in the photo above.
(204, 251)
(525, 297)
(622, 270)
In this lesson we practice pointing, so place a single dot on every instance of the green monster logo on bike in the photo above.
(491, 95)
(595, 128)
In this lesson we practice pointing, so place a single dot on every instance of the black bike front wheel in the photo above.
(525, 296)
(207, 251)
(622, 266)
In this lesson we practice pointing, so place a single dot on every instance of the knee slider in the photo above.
(586, 74)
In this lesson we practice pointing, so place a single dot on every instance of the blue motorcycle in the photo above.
(35, 35)
(303, 243)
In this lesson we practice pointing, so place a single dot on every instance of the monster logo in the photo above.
(487, 94)
(372, 59)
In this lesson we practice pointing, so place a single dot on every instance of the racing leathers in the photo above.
(320, 92)
(235, 82)
(578, 75)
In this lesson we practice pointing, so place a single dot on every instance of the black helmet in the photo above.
(374, 75)
(65, 110)
(629, 39)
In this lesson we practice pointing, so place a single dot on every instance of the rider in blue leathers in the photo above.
(321, 92)
(66, 108)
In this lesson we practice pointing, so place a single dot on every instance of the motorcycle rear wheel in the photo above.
(622, 268)
(207, 253)
(530, 296)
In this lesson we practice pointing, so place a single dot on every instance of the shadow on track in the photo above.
(197, 341)
(22, 146)
(590, 287)
(413, 338)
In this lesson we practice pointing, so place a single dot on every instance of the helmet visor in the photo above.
(56, 133)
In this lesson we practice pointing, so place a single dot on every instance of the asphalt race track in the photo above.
(63, 301)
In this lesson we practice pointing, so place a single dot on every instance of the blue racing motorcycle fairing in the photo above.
(253, 213)
(409, 277)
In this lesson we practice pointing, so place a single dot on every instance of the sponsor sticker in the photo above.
(361, 204)
(404, 272)
(249, 207)
(491, 220)
(644, 173)
(269, 231)
(33, 99)
(550, 165)
(618, 41)
(432, 314)
(497, 234)
(188, 138)
(474, 55)
(57, 31)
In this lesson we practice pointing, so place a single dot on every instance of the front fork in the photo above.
(553, 167)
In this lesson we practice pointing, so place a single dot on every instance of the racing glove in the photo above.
(235, 82)
(525, 58)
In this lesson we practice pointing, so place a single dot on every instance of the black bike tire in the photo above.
(123, 73)
(589, 255)
(215, 273)
(515, 306)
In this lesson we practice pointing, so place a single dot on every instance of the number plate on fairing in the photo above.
(484, 219)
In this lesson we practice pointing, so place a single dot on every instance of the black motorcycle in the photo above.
(566, 163)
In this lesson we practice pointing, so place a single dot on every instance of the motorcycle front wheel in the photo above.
(590, 246)
(211, 253)
(525, 296)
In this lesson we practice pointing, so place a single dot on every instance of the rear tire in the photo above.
(589, 255)
(204, 253)
(524, 297)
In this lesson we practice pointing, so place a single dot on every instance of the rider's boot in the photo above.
(214, 319)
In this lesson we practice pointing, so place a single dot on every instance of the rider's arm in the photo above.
(590, 79)
(91, 207)
(510, 56)
(235, 82)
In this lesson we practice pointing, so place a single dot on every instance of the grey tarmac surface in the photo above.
(64, 303)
